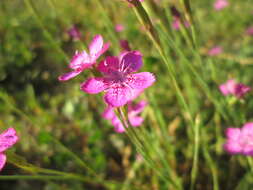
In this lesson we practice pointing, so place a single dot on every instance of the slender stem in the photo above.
(210, 162)
(194, 170)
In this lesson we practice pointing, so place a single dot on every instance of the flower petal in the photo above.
(241, 89)
(104, 49)
(94, 85)
(108, 113)
(224, 90)
(2, 160)
(96, 45)
(233, 133)
(136, 121)
(80, 60)
(233, 147)
(118, 96)
(69, 75)
(140, 80)
(109, 65)
(137, 108)
(247, 129)
(7, 139)
(118, 126)
(131, 61)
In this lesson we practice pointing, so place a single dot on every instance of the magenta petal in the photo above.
(94, 85)
(176, 24)
(96, 45)
(138, 108)
(104, 49)
(240, 90)
(118, 96)
(136, 121)
(247, 129)
(80, 60)
(109, 113)
(141, 80)
(109, 65)
(7, 139)
(131, 61)
(69, 75)
(233, 133)
(118, 126)
(233, 147)
(2, 160)
(224, 90)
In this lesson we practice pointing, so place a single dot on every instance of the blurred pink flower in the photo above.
(249, 31)
(176, 19)
(119, 28)
(124, 45)
(133, 112)
(119, 82)
(176, 23)
(7, 139)
(240, 140)
(216, 50)
(220, 4)
(74, 33)
(233, 88)
(82, 60)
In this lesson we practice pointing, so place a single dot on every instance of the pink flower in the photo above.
(7, 139)
(133, 112)
(125, 45)
(74, 33)
(119, 28)
(240, 141)
(216, 50)
(176, 23)
(176, 19)
(249, 31)
(82, 60)
(233, 88)
(119, 82)
(220, 4)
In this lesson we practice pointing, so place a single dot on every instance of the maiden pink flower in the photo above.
(249, 31)
(176, 24)
(74, 33)
(133, 116)
(220, 4)
(7, 139)
(176, 19)
(233, 88)
(82, 60)
(216, 50)
(240, 141)
(119, 82)
(125, 45)
(119, 27)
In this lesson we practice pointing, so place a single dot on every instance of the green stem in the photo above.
(210, 162)
(44, 177)
(194, 171)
